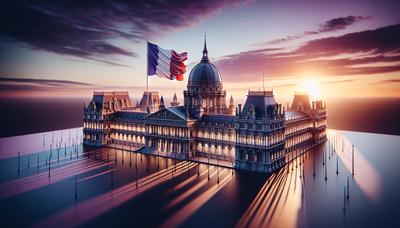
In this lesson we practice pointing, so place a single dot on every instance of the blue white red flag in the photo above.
(165, 63)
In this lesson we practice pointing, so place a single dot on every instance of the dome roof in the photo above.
(204, 72)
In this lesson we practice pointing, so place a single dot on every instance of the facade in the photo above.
(260, 137)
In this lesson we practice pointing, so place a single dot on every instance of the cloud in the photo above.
(355, 54)
(89, 29)
(340, 81)
(340, 23)
(9, 85)
(391, 81)
(387, 81)
(332, 25)
(50, 82)
(31, 84)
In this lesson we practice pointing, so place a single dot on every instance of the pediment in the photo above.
(166, 114)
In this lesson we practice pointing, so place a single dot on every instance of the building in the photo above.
(174, 101)
(151, 100)
(261, 137)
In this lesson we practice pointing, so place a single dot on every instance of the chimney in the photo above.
(240, 109)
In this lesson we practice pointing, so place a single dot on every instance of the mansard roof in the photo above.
(218, 118)
(293, 115)
(259, 101)
(129, 115)
(108, 102)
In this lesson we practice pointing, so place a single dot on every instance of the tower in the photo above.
(174, 101)
(205, 80)
(231, 106)
(162, 103)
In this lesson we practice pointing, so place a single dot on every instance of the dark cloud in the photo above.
(87, 29)
(392, 81)
(328, 26)
(349, 54)
(340, 23)
(389, 81)
(15, 85)
(49, 82)
(31, 84)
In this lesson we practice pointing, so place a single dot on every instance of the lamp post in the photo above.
(313, 165)
(352, 160)
(218, 167)
(337, 165)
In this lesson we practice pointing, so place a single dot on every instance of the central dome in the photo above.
(204, 71)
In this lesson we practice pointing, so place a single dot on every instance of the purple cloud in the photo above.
(332, 25)
(340, 23)
(86, 28)
(371, 46)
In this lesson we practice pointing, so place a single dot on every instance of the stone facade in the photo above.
(256, 138)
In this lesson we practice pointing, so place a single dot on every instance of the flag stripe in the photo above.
(165, 63)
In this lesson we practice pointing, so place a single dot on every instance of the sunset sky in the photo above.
(328, 48)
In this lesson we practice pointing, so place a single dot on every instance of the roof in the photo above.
(179, 111)
(219, 118)
(204, 72)
(301, 102)
(130, 115)
(292, 115)
(110, 101)
(260, 101)
(152, 97)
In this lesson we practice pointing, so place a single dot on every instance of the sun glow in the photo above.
(311, 87)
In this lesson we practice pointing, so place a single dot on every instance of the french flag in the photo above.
(165, 63)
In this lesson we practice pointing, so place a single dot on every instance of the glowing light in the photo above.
(311, 87)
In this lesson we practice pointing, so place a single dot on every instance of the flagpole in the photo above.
(147, 74)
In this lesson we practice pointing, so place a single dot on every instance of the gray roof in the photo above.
(130, 115)
(218, 118)
(260, 102)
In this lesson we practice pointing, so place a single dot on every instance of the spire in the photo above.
(205, 51)
(162, 103)
(232, 106)
(174, 101)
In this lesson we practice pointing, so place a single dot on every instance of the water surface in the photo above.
(99, 187)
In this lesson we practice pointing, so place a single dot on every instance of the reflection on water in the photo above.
(367, 177)
(110, 187)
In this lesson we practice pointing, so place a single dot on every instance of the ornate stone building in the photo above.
(260, 131)
(258, 138)
(205, 81)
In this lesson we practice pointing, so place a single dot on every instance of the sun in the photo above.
(311, 87)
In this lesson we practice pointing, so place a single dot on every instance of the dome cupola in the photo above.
(205, 71)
